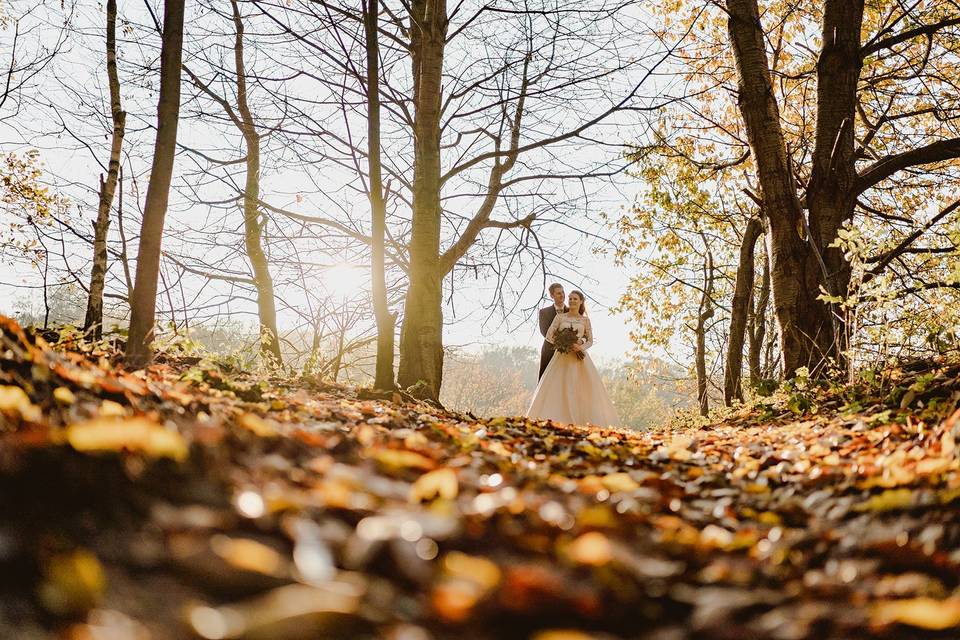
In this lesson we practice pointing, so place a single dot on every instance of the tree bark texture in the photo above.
(804, 322)
(740, 309)
(378, 212)
(144, 301)
(252, 220)
(93, 321)
(421, 339)
(831, 193)
(758, 325)
(704, 314)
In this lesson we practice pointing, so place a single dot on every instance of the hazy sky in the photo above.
(55, 127)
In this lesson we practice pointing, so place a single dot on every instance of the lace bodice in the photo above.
(580, 324)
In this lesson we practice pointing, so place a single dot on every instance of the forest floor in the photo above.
(188, 501)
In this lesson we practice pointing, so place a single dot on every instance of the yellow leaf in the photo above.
(947, 445)
(678, 448)
(398, 459)
(769, 517)
(477, 569)
(109, 408)
(440, 483)
(63, 395)
(933, 466)
(561, 634)
(248, 555)
(16, 400)
(131, 434)
(598, 516)
(73, 582)
(889, 500)
(614, 482)
(925, 613)
(592, 549)
(832, 460)
(257, 425)
(497, 447)
(414, 440)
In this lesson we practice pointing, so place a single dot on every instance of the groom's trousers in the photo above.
(546, 353)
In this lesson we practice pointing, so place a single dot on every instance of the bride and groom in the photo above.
(569, 388)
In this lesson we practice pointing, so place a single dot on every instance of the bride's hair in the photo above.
(583, 302)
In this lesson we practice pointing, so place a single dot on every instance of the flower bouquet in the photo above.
(564, 339)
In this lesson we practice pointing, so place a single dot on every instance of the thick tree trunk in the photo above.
(93, 321)
(758, 325)
(378, 211)
(421, 336)
(252, 222)
(739, 311)
(143, 304)
(804, 323)
(831, 194)
(704, 314)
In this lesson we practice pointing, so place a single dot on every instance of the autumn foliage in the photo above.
(296, 510)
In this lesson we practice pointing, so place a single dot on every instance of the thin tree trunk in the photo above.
(804, 322)
(758, 325)
(252, 220)
(124, 257)
(740, 309)
(338, 361)
(421, 336)
(93, 321)
(378, 212)
(705, 313)
(143, 305)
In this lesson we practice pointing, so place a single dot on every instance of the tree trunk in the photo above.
(143, 304)
(804, 322)
(93, 321)
(740, 309)
(705, 313)
(378, 211)
(758, 326)
(831, 194)
(252, 221)
(421, 336)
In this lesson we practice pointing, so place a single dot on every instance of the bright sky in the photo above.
(470, 325)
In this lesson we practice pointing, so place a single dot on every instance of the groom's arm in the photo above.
(544, 322)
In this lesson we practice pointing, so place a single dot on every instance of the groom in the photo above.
(547, 314)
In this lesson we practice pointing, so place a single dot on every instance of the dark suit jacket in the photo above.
(546, 316)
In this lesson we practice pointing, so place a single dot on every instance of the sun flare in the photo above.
(346, 280)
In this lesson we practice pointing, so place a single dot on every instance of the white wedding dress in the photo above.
(571, 390)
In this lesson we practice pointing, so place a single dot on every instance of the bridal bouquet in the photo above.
(564, 339)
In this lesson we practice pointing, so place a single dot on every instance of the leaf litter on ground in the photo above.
(180, 502)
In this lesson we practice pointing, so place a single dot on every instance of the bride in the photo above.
(571, 390)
